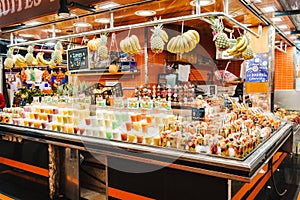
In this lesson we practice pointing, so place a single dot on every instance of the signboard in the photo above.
(198, 114)
(78, 59)
(257, 68)
(12, 11)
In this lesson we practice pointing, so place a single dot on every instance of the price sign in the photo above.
(78, 59)
(198, 114)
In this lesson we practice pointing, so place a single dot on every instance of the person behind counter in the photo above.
(2, 101)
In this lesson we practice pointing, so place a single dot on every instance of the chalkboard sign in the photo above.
(198, 114)
(78, 59)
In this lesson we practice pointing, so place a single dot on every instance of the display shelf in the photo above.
(106, 75)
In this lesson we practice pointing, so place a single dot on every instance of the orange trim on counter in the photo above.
(3, 197)
(120, 194)
(298, 198)
(247, 186)
(24, 166)
(266, 178)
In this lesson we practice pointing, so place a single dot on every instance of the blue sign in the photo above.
(257, 68)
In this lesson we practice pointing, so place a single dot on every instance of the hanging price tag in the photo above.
(165, 105)
(147, 104)
(100, 102)
(133, 104)
(118, 102)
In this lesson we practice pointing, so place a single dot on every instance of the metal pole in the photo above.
(226, 7)
(201, 16)
(146, 55)
(271, 45)
(198, 7)
(11, 38)
(111, 20)
(53, 31)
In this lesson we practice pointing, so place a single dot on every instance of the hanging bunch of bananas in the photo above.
(40, 59)
(29, 58)
(130, 45)
(184, 43)
(240, 46)
(9, 62)
(19, 61)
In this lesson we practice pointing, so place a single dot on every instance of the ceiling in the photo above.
(125, 14)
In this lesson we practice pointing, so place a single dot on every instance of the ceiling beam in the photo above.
(286, 12)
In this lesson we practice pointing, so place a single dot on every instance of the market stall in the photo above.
(152, 103)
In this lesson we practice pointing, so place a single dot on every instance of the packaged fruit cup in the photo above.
(54, 126)
(148, 140)
(76, 130)
(59, 118)
(124, 136)
(128, 126)
(133, 118)
(139, 139)
(81, 130)
(108, 134)
(59, 127)
(136, 126)
(65, 119)
(145, 128)
(108, 123)
(156, 141)
(131, 137)
(87, 121)
(36, 115)
(116, 134)
(102, 132)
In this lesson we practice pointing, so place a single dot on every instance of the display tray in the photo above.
(263, 141)
(236, 169)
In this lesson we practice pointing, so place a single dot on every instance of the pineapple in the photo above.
(158, 39)
(9, 62)
(29, 58)
(56, 55)
(157, 44)
(248, 53)
(221, 39)
(103, 50)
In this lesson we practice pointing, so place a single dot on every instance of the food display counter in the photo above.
(130, 166)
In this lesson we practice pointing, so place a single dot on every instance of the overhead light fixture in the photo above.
(277, 19)
(27, 35)
(106, 5)
(20, 40)
(257, 1)
(102, 20)
(63, 10)
(283, 26)
(246, 25)
(72, 15)
(203, 2)
(145, 13)
(32, 23)
(51, 30)
(268, 9)
(50, 43)
(82, 24)
(287, 32)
